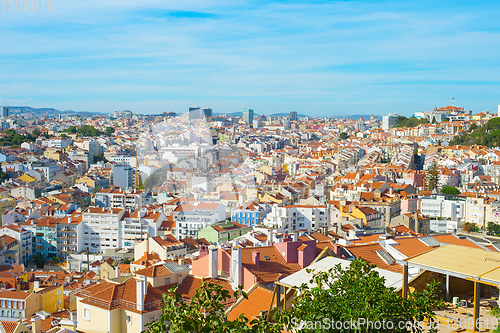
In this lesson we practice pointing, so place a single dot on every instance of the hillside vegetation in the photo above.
(486, 135)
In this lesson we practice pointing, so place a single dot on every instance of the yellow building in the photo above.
(27, 178)
(369, 216)
(111, 307)
(6, 203)
(109, 269)
(52, 298)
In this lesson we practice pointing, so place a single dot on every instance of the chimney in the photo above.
(271, 237)
(147, 245)
(417, 224)
(213, 263)
(236, 267)
(181, 261)
(203, 251)
(337, 249)
(140, 286)
(36, 326)
(36, 284)
(294, 237)
(256, 258)
(391, 190)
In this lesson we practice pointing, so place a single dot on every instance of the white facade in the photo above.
(297, 217)
(440, 206)
(102, 229)
(443, 226)
(25, 239)
(139, 226)
(189, 222)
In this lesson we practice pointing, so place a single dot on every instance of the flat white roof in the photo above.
(392, 279)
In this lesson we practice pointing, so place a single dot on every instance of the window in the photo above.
(129, 320)
(86, 314)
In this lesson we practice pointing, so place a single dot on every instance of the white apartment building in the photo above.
(92, 146)
(441, 206)
(297, 217)
(60, 143)
(191, 220)
(102, 228)
(123, 159)
(25, 239)
(118, 198)
(139, 225)
(69, 235)
(113, 228)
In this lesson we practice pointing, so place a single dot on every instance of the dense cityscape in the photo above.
(220, 166)
(102, 215)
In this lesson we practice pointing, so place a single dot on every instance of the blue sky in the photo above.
(319, 58)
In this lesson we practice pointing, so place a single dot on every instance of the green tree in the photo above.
(358, 293)
(87, 130)
(493, 228)
(205, 313)
(99, 158)
(39, 261)
(343, 136)
(109, 131)
(152, 180)
(472, 127)
(125, 261)
(71, 129)
(432, 177)
(450, 190)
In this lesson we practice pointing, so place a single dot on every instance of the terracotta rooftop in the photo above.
(258, 300)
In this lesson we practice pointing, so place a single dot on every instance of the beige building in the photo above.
(167, 247)
(118, 307)
(15, 305)
(164, 273)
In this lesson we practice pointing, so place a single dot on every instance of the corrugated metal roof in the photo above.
(460, 261)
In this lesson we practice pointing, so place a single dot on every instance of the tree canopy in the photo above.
(14, 140)
(109, 131)
(205, 313)
(402, 121)
(356, 294)
(432, 177)
(87, 130)
(450, 190)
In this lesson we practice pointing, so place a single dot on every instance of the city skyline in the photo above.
(321, 59)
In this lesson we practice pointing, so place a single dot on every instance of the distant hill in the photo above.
(18, 110)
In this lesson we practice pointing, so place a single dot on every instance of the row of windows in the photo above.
(12, 304)
(11, 314)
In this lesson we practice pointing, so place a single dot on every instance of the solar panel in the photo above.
(386, 257)
(429, 241)
(174, 267)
